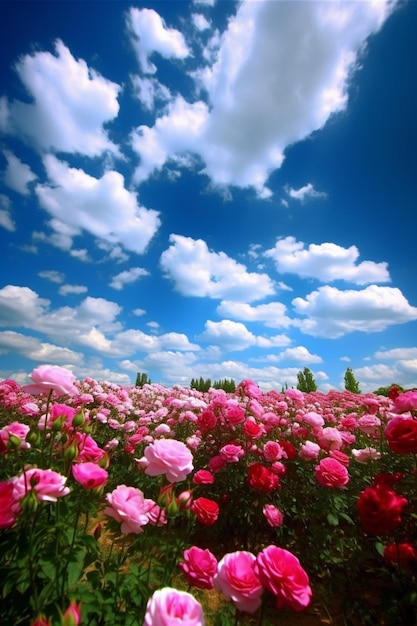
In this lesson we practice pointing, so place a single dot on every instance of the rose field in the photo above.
(156, 506)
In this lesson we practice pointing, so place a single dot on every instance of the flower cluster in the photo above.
(131, 486)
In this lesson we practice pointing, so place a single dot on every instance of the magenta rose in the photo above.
(206, 511)
(401, 434)
(129, 507)
(406, 402)
(262, 478)
(169, 457)
(47, 378)
(199, 567)
(89, 475)
(169, 606)
(237, 580)
(235, 415)
(9, 506)
(206, 420)
(252, 429)
(203, 477)
(231, 453)
(282, 574)
(380, 509)
(331, 473)
(47, 485)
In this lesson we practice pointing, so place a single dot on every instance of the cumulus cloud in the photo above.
(397, 353)
(198, 271)
(272, 315)
(149, 34)
(127, 277)
(17, 175)
(36, 350)
(64, 290)
(102, 207)
(149, 91)
(52, 275)
(72, 103)
(200, 21)
(305, 193)
(281, 69)
(20, 306)
(298, 354)
(333, 313)
(325, 262)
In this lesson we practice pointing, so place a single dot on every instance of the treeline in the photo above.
(201, 384)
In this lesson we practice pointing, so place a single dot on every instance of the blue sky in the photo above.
(214, 189)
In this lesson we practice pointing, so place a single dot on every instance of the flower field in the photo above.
(149, 506)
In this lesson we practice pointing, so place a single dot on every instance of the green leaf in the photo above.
(332, 519)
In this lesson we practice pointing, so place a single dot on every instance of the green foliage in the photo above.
(200, 384)
(306, 382)
(351, 384)
(226, 384)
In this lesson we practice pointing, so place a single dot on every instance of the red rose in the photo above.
(403, 554)
(289, 449)
(206, 511)
(206, 420)
(401, 434)
(262, 478)
(253, 430)
(380, 509)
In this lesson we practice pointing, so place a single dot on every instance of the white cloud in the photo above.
(72, 103)
(103, 207)
(325, 262)
(333, 313)
(36, 350)
(272, 315)
(177, 131)
(20, 306)
(52, 275)
(6, 220)
(397, 353)
(150, 34)
(197, 271)
(149, 91)
(304, 193)
(17, 175)
(200, 21)
(298, 354)
(127, 277)
(64, 290)
(228, 335)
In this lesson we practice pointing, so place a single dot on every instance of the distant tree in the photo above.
(227, 385)
(306, 382)
(200, 384)
(142, 379)
(351, 384)
(391, 391)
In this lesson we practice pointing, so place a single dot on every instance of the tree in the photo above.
(142, 379)
(200, 384)
(226, 384)
(351, 384)
(306, 382)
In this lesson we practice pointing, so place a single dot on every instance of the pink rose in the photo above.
(330, 438)
(206, 421)
(89, 475)
(365, 455)
(235, 415)
(216, 463)
(406, 402)
(309, 451)
(47, 485)
(231, 453)
(237, 580)
(129, 506)
(203, 477)
(48, 378)
(169, 606)
(88, 449)
(331, 473)
(274, 516)
(9, 506)
(282, 574)
(272, 451)
(19, 432)
(401, 434)
(199, 567)
(169, 457)
(252, 429)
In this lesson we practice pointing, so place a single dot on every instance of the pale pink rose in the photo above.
(129, 507)
(47, 378)
(331, 473)
(89, 475)
(330, 438)
(282, 574)
(156, 515)
(47, 485)
(237, 580)
(406, 402)
(369, 424)
(274, 516)
(231, 453)
(313, 418)
(309, 451)
(199, 567)
(296, 395)
(272, 451)
(170, 607)
(365, 455)
(9, 506)
(248, 388)
(169, 457)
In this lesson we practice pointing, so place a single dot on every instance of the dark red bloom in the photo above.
(380, 509)
(262, 478)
